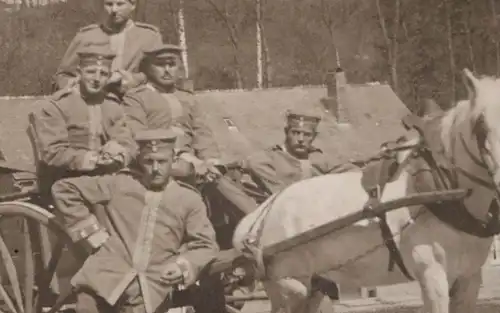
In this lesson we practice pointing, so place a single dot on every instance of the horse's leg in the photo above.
(464, 293)
(434, 284)
(319, 303)
(273, 292)
(294, 295)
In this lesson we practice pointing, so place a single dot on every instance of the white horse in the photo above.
(444, 260)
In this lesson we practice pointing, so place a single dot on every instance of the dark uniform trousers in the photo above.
(207, 297)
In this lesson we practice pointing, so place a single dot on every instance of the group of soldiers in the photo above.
(123, 147)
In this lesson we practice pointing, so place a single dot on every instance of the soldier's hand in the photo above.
(128, 80)
(72, 82)
(114, 151)
(115, 78)
(90, 160)
(212, 172)
(172, 274)
(104, 159)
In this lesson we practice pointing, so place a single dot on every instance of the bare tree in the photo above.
(230, 20)
(495, 27)
(140, 10)
(391, 41)
(258, 10)
(181, 29)
(449, 36)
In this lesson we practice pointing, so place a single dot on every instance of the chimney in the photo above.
(336, 100)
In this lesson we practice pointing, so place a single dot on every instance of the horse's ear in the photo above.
(471, 82)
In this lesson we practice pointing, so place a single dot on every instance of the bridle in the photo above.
(485, 159)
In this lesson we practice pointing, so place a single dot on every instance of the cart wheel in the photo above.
(32, 246)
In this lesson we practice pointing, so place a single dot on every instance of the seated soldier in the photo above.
(137, 257)
(128, 40)
(160, 103)
(83, 131)
(296, 159)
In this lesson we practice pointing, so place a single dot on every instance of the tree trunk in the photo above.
(233, 38)
(469, 45)
(267, 58)
(140, 10)
(181, 28)
(395, 48)
(449, 33)
(385, 34)
(258, 11)
(497, 45)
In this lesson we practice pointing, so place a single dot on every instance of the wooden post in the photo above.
(330, 101)
(342, 96)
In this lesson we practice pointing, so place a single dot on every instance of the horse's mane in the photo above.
(485, 101)
(453, 116)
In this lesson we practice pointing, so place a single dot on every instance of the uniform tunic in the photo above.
(68, 128)
(146, 107)
(128, 45)
(146, 231)
(274, 169)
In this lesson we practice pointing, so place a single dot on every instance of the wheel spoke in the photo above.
(11, 273)
(47, 256)
(55, 257)
(29, 274)
(7, 299)
(44, 242)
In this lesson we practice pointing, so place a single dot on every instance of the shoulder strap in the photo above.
(147, 26)
(88, 27)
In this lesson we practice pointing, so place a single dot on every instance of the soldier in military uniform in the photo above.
(161, 103)
(296, 159)
(275, 168)
(83, 131)
(128, 40)
(137, 258)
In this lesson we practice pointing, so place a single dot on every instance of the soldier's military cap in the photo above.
(162, 51)
(155, 140)
(96, 53)
(303, 116)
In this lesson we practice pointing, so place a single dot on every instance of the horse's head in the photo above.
(474, 127)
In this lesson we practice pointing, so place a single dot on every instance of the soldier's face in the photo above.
(165, 71)
(156, 168)
(93, 78)
(299, 140)
(118, 11)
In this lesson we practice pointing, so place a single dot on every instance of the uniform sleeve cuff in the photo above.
(89, 161)
(84, 229)
(98, 238)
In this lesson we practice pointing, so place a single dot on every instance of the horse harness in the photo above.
(378, 171)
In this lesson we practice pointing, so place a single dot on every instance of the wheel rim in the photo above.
(36, 258)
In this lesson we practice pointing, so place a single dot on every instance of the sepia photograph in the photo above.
(249, 156)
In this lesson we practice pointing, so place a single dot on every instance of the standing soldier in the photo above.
(83, 130)
(128, 40)
(137, 258)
